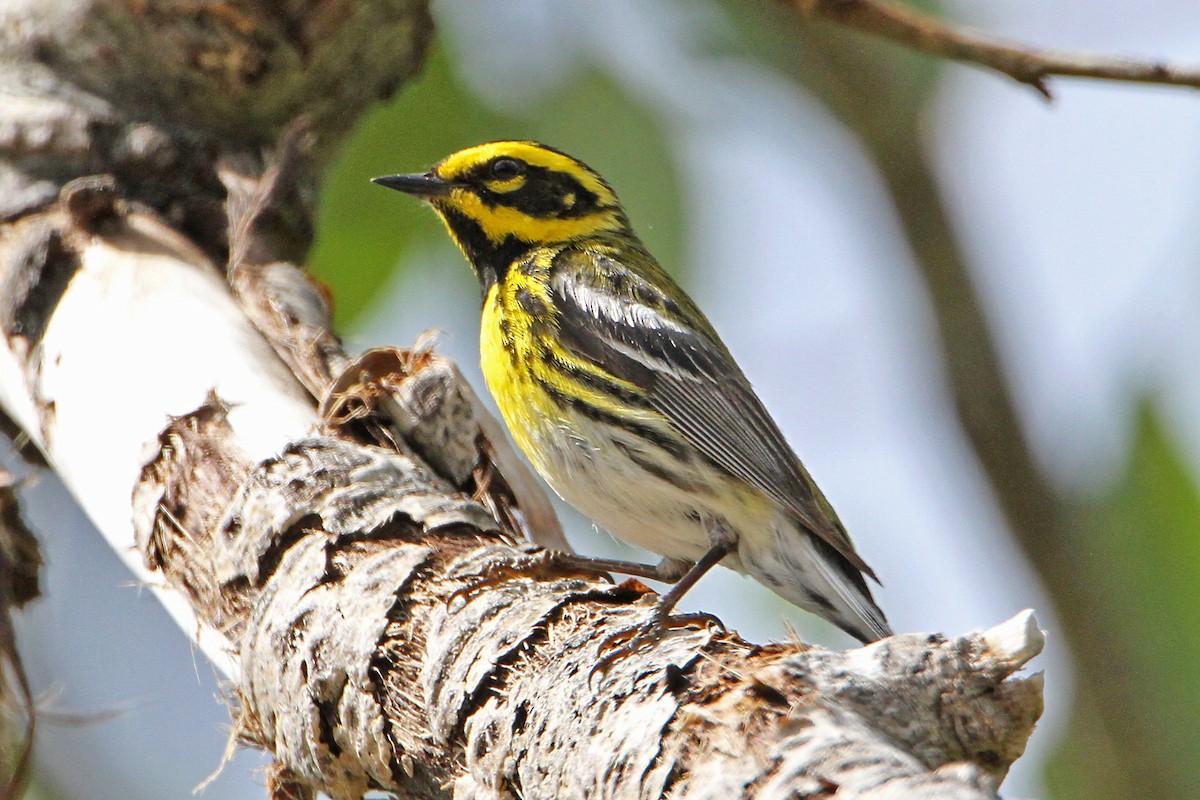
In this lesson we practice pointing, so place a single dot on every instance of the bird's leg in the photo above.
(653, 629)
(668, 570)
(686, 581)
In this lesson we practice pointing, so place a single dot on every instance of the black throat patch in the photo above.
(490, 260)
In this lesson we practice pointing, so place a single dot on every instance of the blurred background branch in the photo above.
(1022, 63)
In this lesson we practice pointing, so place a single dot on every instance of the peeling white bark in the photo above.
(150, 320)
(144, 331)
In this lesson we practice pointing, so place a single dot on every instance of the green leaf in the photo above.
(1140, 567)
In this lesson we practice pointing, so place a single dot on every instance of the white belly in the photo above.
(590, 468)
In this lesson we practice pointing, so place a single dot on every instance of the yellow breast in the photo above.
(553, 401)
(505, 342)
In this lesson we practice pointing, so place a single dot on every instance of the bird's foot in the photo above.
(533, 560)
(648, 633)
(505, 567)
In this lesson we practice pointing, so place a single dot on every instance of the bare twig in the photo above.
(1028, 65)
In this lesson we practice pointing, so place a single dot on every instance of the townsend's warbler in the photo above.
(621, 393)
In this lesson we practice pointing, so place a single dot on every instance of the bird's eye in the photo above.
(504, 169)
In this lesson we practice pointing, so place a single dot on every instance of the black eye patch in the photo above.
(543, 193)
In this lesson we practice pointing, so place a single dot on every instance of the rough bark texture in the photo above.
(346, 537)
(20, 564)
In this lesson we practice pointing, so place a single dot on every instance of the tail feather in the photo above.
(866, 621)
(806, 570)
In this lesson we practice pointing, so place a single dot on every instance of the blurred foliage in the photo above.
(1122, 568)
(1139, 564)
(364, 231)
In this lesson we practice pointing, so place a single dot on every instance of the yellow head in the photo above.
(502, 199)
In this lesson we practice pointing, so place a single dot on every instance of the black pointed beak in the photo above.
(426, 185)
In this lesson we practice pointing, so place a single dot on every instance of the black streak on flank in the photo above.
(649, 433)
(659, 471)
(35, 283)
(533, 305)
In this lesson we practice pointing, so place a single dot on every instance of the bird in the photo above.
(622, 395)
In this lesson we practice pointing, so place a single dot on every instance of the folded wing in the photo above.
(634, 331)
